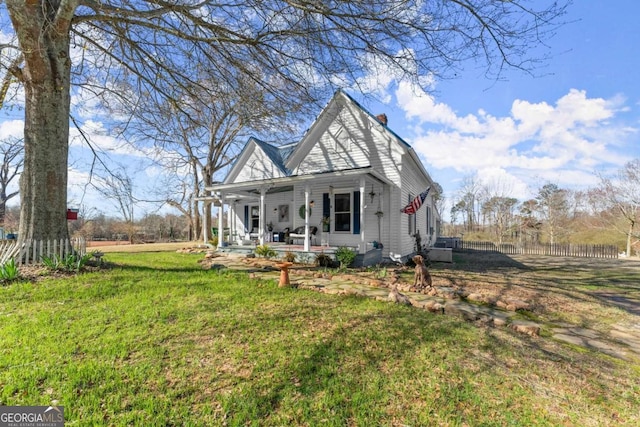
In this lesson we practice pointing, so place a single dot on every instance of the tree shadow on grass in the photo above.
(349, 358)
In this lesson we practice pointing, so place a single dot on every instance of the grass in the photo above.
(157, 341)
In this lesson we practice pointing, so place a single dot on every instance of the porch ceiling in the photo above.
(252, 189)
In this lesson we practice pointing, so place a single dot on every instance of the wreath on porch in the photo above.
(301, 211)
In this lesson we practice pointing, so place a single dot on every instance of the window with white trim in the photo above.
(342, 212)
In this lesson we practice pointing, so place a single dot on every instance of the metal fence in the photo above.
(556, 249)
(29, 252)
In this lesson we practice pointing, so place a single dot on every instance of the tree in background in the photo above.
(529, 225)
(499, 210)
(138, 50)
(11, 161)
(119, 189)
(469, 202)
(616, 202)
(553, 208)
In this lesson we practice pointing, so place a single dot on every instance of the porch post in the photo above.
(230, 213)
(261, 224)
(363, 223)
(204, 223)
(232, 222)
(306, 218)
(220, 222)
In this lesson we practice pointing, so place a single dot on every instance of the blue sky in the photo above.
(579, 115)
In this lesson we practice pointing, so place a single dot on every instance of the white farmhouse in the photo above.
(343, 184)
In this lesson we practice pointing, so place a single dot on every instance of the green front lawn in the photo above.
(158, 341)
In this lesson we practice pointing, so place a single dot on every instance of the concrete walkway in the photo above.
(623, 341)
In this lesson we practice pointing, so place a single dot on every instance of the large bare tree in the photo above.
(141, 49)
(197, 136)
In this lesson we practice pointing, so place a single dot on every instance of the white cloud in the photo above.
(11, 129)
(564, 142)
(101, 140)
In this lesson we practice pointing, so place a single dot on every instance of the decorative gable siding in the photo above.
(258, 166)
(352, 140)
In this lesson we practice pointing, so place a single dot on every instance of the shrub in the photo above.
(346, 256)
(289, 256)
(9, 270)
(265, 251)
(323, 260)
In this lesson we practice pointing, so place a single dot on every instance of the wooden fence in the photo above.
(556, 249)
(29, 252)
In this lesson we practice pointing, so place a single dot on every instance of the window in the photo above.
(411, 219)
(429, 227)
(342, 212)
(255, 218)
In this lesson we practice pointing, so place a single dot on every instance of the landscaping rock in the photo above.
(436, 308)
(526, 327)
(398, 298)
(499, 321)
(513, 304)
(466, 311)
(475, 297)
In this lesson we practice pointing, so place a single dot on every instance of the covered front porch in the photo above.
(308, 213)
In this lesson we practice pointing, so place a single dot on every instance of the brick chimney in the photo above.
(382, 118)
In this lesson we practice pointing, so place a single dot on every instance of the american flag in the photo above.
(416, 203)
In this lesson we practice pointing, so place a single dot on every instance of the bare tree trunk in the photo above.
(43, 183)
(43, 33)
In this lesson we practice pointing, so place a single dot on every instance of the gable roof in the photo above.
(277, 156)
(287, 158)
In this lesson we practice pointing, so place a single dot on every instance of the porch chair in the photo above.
(298, 234)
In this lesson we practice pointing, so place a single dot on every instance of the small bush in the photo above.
(305, 258)
(9, 270)
(265, 251)
(53, 263)
(71, 262)
(289, 257)
(323, 260)
(345, 256)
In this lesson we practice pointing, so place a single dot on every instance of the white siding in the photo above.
(258, 166)
(353, 140)
(412, 184)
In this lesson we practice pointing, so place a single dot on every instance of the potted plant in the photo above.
(325, 221)
(270, 226)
